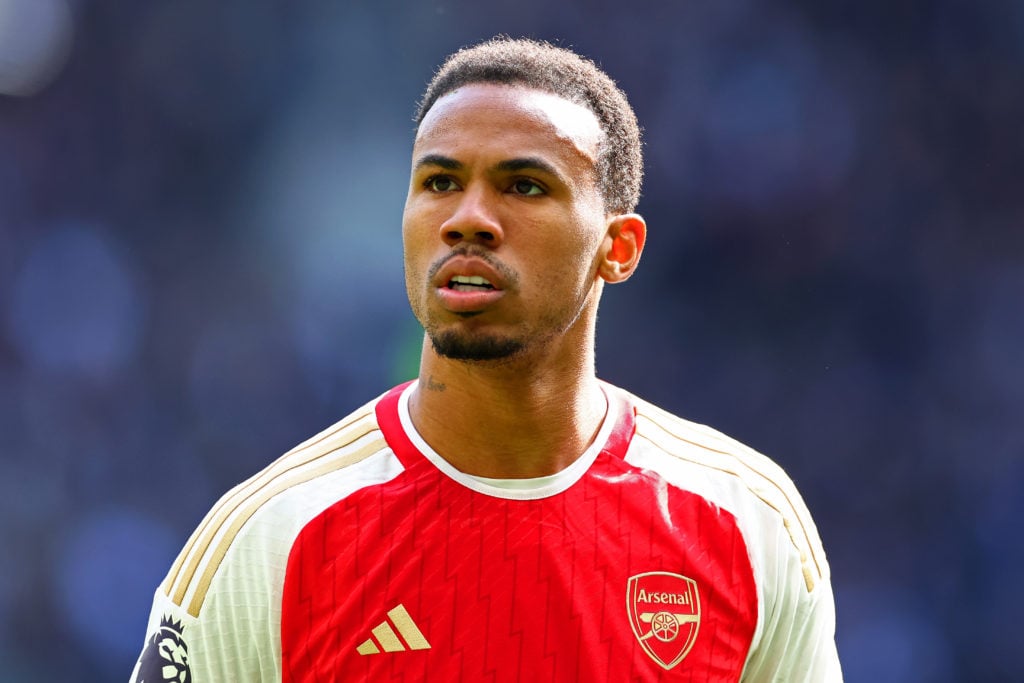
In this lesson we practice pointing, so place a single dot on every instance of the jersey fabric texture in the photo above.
(666, 552)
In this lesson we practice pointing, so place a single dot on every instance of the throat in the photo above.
(521, 441)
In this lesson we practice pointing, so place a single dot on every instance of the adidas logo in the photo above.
(385, 638)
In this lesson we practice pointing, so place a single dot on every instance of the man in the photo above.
(507, 516)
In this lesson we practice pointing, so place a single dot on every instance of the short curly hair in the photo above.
(543, 66)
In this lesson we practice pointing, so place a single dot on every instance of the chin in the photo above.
(474, 348)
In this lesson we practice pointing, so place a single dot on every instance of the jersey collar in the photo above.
(612, 439)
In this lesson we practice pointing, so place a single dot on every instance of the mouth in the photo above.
(467, 295)
(469, 283)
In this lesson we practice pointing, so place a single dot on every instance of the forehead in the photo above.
(511, 114)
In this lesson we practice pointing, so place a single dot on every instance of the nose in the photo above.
(474, 220)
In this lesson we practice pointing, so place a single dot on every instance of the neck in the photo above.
(510, 419)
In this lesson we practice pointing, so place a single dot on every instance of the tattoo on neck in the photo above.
(435, 386)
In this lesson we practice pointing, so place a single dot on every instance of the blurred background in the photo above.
(200, 266)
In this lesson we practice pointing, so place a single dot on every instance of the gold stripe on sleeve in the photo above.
(256, 501)
(346, 432)
(765, 479)
(214, 519)
(230, 503)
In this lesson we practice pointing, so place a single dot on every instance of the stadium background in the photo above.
(200, 266)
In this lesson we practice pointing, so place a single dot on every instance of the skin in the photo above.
(504, 186)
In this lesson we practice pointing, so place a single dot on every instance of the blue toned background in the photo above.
(200, 266)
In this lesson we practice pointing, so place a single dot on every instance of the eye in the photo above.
(527, 188)
(440, 183)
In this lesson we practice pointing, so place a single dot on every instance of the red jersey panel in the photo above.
(619, 577)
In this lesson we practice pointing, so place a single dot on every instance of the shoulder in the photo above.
(734, 477)
(249, 531)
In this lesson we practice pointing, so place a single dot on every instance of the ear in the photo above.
(623, 245)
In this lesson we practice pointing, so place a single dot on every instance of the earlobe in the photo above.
(624, 244)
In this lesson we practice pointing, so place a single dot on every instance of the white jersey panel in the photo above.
(794, 640)
(218, 613)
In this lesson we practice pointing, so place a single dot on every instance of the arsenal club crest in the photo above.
(664, 611)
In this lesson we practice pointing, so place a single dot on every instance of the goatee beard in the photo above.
(460, 347)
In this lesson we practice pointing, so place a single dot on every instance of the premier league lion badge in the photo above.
(165, 659)
(664, 612)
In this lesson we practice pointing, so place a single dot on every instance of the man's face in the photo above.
(503, 222)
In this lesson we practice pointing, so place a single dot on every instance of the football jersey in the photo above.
(665, 552)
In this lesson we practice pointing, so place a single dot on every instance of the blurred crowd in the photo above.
(200, 266)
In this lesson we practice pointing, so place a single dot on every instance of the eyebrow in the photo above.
(438, 160)
(527, 164)
(508, 165)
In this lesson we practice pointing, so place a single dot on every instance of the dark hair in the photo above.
(559, 71)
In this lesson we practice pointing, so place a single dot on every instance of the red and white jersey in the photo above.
(666, 552)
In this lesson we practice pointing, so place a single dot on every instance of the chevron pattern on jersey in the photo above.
(512, 590)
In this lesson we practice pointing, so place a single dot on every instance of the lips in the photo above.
(465, 271)
(468, 284)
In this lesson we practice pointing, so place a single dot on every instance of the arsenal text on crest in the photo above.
(664, 613)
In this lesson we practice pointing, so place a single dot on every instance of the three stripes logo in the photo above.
(397, 635)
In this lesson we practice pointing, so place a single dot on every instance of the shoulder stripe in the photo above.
(214, 517)
(761, 476)
(353, 417)
(182, 573)
(217, 555)
(230, 501)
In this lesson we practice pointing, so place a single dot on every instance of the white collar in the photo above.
(515, 489)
